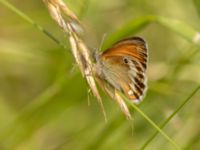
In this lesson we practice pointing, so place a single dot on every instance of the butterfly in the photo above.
(123, 66)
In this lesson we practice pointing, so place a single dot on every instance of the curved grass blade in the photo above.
(29, 20)
(197, 5)
(128, 29)
(181, 28)
(153, 124)
(170, 117)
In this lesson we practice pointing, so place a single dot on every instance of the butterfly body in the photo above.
(124, 65)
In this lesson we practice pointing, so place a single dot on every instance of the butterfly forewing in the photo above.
(124, 67)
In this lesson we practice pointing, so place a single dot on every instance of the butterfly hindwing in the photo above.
(124, 67)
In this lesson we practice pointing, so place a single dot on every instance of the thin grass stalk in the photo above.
(29, 20)
(81, 53)
(170, 117)
(153, 125)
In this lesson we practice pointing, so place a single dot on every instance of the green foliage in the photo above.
(43, 98)
(197, 5)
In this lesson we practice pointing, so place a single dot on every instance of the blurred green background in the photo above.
(44, 99)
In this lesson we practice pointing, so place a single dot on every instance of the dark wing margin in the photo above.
(138, 74)
(137, 63)
(136, 52)
(132, 40)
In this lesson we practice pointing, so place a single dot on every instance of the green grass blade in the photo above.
(29, 20)
(128, 29)
(153, 124)
(135, 25)
(170, 117)
(180, 28)
(197, 5)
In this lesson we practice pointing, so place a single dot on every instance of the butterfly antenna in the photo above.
(102, 41)
(100, 47)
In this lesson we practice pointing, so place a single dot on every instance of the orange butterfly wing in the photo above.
(125, 63)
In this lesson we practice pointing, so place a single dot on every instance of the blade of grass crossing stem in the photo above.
(170, 117)
(29, 20)
(153, 124)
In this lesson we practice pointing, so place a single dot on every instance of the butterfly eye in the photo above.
(125, 60)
